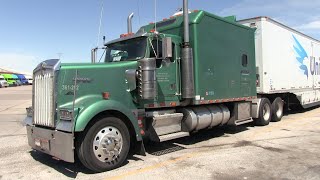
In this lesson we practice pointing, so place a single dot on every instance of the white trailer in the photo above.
(288, 65)
(29, 78)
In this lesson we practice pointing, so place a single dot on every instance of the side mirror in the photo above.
(166, 48)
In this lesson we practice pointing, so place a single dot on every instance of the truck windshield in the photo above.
(128, 50)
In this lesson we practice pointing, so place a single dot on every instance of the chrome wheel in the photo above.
(107, 144)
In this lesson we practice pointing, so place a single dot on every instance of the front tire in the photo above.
(105, 145)
(265, 112)
(277, 109)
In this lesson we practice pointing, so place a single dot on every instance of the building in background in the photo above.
(24, 78)
(12, 71)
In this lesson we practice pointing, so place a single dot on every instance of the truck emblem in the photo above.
(82, 80)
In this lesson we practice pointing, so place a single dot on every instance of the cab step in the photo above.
(244, 121)
(176, 135)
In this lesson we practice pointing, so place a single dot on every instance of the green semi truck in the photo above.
(167, 81)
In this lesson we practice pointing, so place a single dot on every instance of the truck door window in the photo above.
(157, 48)
(156, 51)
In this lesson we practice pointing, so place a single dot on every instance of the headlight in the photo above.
(65, 114)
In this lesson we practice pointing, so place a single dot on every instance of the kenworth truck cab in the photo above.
(158, 84)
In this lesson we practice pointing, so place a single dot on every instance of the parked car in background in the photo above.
(3, 82)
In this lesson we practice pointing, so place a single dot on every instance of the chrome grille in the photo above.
(43, 99)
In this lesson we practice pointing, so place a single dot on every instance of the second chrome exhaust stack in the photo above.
(187, 58)
(129, 23)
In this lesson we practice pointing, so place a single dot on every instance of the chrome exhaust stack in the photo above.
(129, 23)
(187, 58)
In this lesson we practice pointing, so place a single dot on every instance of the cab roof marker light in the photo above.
(173, 104)
(126, 35)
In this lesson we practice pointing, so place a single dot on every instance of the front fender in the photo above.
(104, 105)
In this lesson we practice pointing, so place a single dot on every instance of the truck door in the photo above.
(166, 72)
(245, 76)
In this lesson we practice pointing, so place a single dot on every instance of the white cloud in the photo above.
(18, 61)
(293, 9)
(314, 25)
(248, 8)
(302, 15)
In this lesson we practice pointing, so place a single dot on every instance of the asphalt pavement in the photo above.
(289, 149)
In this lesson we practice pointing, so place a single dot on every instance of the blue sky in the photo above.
(35, 30)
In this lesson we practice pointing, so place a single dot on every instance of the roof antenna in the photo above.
(100, 22)
(138, 2)
(155, 15)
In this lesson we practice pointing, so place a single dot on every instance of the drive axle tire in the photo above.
(265, 113)
(277, 109)
(105, 145)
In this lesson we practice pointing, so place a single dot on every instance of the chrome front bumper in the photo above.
(55, 143)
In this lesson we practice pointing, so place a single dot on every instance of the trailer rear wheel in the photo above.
(265, 112)
(105, 145)
(277, 109)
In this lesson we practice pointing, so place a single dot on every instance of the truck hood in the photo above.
(92, 81)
